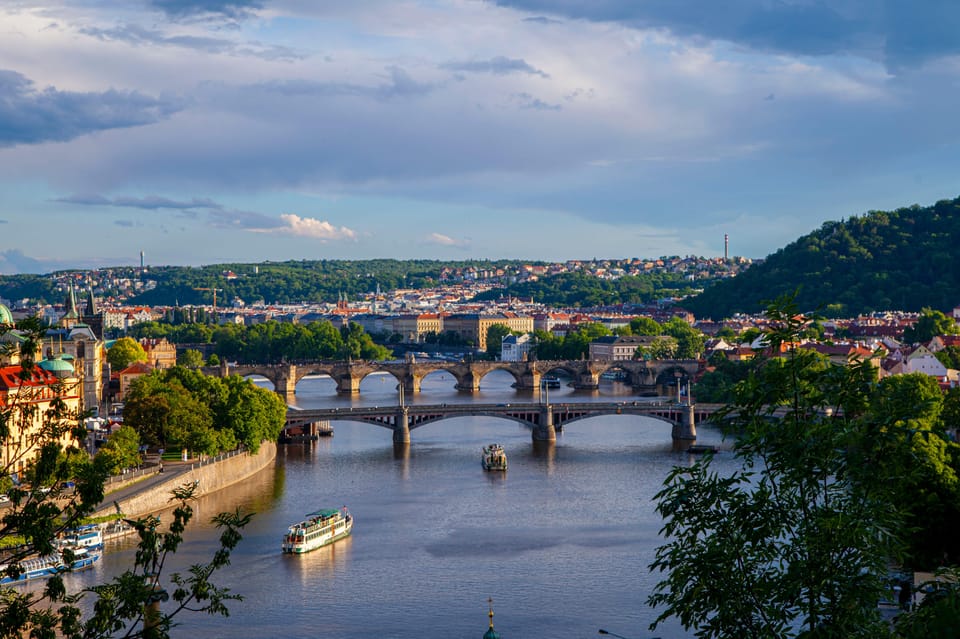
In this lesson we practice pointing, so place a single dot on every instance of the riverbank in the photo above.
(152, 493)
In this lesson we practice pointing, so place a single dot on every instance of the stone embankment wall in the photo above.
(210, 476)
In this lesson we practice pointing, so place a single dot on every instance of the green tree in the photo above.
(495, 335)
(644, 326)
(121, 450)
(930, 324)
(166, 414)
(949, 357)
(34, 519)
(797, 542)
(125, 351)
(661, 347)
(190, 358)
(689, 340)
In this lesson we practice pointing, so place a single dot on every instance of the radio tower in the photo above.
(726, 246)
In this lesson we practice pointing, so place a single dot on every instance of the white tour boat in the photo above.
(494, 457)
(319, 529)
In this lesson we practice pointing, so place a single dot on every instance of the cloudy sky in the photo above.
(205, 131)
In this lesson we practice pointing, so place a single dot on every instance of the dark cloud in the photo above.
(13, 261)
(542, 20)
(125, 223)
(138, 36)
(150, 202)
(900, 32)
(230, 9)
(243, 220)
(31, 116)
(497, 66)
(527, 101)
(399, 84)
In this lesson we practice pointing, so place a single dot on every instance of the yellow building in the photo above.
(473, 327)
(414, 328)
(30, 399)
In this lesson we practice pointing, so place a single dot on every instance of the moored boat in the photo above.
(48, 566)
(494, 457)
(318, 529)
(88, 536)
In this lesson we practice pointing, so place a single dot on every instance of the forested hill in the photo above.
(904, 260)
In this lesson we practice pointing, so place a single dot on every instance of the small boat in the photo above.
(700, 449)
(318, 529)
(551, 381)
(48, 566)
(494, 457)
(89, 536)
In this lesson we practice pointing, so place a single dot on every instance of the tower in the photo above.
(726, 247)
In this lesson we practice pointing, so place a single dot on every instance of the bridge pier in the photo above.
(528, 381)
(285, 384)
(411, 384)
(686, 427)
(348, 385)
(544, 431)
(401, 430)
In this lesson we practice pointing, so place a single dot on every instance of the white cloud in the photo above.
(445, 240)
(311, 228)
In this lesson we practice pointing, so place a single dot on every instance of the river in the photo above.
(561, 541)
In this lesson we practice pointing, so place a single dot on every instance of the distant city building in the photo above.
(516, 348)
(615, 348)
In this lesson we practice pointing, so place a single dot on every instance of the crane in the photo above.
(214, 290)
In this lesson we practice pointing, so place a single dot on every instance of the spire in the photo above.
(70, 303)
(91, 304)
(491, 633)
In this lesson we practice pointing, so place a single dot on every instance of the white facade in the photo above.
(515, 348)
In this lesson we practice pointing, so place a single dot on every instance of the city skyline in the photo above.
(211, 131)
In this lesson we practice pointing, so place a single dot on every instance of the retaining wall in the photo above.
(211, 477)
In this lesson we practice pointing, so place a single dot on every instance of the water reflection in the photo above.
(323, 562)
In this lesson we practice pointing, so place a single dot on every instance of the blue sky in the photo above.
(206, 131)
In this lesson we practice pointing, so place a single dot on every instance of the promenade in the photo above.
(149, 491)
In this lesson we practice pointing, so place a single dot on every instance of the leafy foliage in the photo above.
(125, 351)
(902, 259)
(797, 542)
(582, 290)
(179, 407)
(125, 606)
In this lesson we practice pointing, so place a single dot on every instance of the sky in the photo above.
(211, 131)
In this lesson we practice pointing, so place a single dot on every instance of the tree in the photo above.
(124, 352)
(690, 341)
(34, 518)
(797, 542)
(644, 326)
(661, 347)
(930, 324)
(495, 335)
(190, 358)
(121, 450)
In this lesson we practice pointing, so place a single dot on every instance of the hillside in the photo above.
(905, 259)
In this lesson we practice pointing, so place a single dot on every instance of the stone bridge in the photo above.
(653, 377)
(543, 419)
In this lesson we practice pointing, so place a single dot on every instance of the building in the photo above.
(30, 398)
(160, 352)
(615, 348)
(516, 348)
(415, 327)
(472, 327)
(129, 374)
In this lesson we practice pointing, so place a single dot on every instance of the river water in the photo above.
(561, 541)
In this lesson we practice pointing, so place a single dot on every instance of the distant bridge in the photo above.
(543, 419)
(654, 377)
